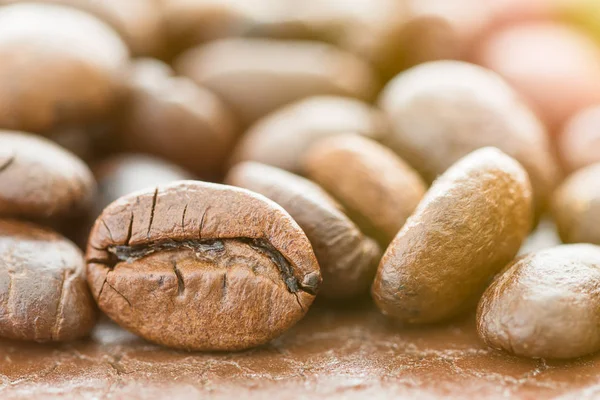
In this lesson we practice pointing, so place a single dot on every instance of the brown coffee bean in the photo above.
(579, 143)
(282, 137)
(49, 76)
(39, 179)
(545, 304)
(576, 206)
(443, 110)
(123, 174)
(172, 117)
(280, 71)
(43, 292)
(139, 22)
(201, 266)
(468, 226)
(379, 189)
(347, 258)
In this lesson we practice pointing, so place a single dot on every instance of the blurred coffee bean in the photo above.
(441, 111)
(584, 14)
(123, 174)
(41, 180)
(58, 68)
(282, 137)
(576, 206)
(556, 69)
(579, 142)
(379, 190)
(173, 118)
(257, 76)
(139, 22)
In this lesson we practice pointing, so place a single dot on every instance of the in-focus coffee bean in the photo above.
(43, 291)
(545, 304)
(257, 76)
(39, 179)
(379, 190)
(282, 137)
(468, 226)
(49, 76)
(441, 111)
(576, 206)
(201, 266)
(347, 258)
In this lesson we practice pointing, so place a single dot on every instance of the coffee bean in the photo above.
(579, 143)
(441, 111)
(257, 76)
(347, 258)
(172, 117)
(379, 189)
(39, 179)
(576, 206)
(201, 266)
(43, 291)
(545, 304)
(468, 226)
(282, 137)
(139, 22)
(49, 76)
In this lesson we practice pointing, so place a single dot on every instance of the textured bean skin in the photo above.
(39, 179)
(468, 226)
(576, 206)
(43, 291)
(347, 258)
(201, 266)
(545, 304)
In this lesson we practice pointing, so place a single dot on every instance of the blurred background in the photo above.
(147, 91)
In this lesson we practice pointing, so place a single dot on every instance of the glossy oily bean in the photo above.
(347, 258)
(468, 226)
(201, 266)
(443, 110)
(579, 142)
(43, 292)
(54, 78)
(173, 118)
(545, 304)
(280, 71)
(282, 137)
(576, 206)
(379, 189)
(39, 179)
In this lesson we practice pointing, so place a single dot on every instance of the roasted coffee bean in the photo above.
(49, 75)
(123, 174)
(173, 118)
(139, 22)
(43, 292)
(468, 226)
(379, 189)
(39, 179)
(282, 137)
(347, 258)
(576, 206)
(443, 110)
(201, 266)
(579, 143)
(257, 76)
(545, 304)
